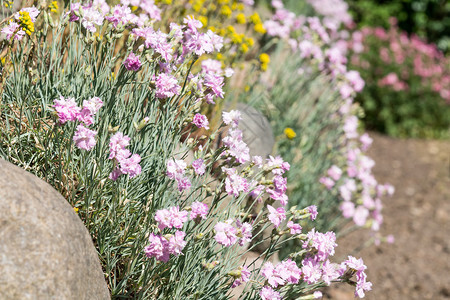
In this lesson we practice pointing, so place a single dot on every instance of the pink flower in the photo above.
(328, 182)
(199, 210)
(330, 272)
(164, 218)
(166, 86)
(178, 217)
(289, 271)
(117, 145)
(244, 232)
(237, 148)
(199, 166)
(267, 293)
(276, 216)
(225, 233)
(131, 165)
(232, 118)
(175, 168)
(311, 271)
(13, 29)
(272, 275)
(313, 211)
(366, 141)
(334, 172)
(158, 248)
(295, 228)
(322, 244)
(66, 109)
(176, 243)
(132, 63)
(235, 184)
(201, 121)
(360, 215)
(245, 276)
(84, 138)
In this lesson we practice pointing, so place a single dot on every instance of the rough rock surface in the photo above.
(45, 250)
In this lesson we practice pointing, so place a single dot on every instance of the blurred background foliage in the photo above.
(429, 19)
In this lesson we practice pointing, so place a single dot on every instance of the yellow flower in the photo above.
(226, 11)
(25, 21)
(75, 209)
(53, 6)
(204, 20)
(250, 41)
(259, 28)
(223, 1)
(290, 133)
(244, 48)
(264, 67)
(231, 29)
(247, 88)
(264, 58)
(134, 8)
(240, 6)
(219, 56)
(240, 18)
(237, 38)
(3, 60)
(255, 19)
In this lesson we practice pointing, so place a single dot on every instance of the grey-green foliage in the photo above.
(119, 214)
(292, 95)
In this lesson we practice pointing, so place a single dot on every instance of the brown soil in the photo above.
(417, 265)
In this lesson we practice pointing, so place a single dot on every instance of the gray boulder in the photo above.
(256, 130)
(45, 250)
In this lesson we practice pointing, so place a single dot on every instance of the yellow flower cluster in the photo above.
(8, 3)
(53, 6)
(264, 58)
(25, 22)
(258, 25)
(168, 2)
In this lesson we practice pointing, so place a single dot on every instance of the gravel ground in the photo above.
(417, 265)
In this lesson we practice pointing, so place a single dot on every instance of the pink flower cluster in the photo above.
(161, 247)
(176, 171)
(357, 265)
(228, 234)
(124, 162)
(201, 121)
(68, 111)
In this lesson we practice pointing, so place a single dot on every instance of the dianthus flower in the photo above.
(276, 216)
(232, 118)
(295, 228)
(132, 62)
(327, 182)
(84, 138)
(313, 211)
(117, 145)
(329, 272)
(199, 210)
(166, 86)
(66, 109)
(201, 121)
(267, 293)
(289, 271)
(89, 109)
(158, 248)
(121, 14)
(177, 243)
(214, 85)
(244, 276)
(234, 184)
(13, 29)
(244, 232)
(237, 148)
(175, 168)
(311, 271)
(225, 233)
(334, 172)
(131, 165)
(272, 275)
(199, 166)
(323, 243)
